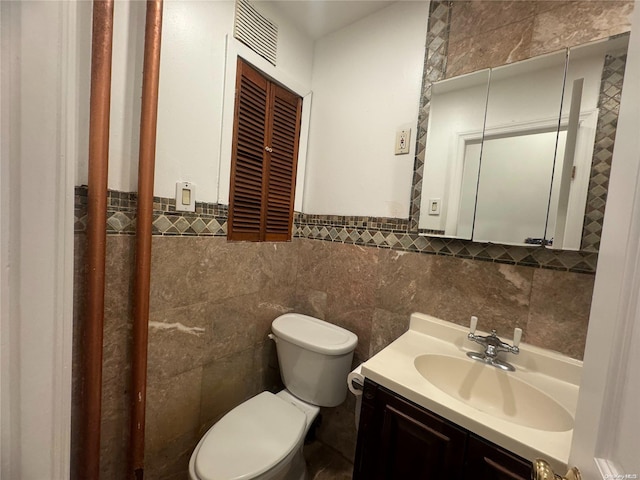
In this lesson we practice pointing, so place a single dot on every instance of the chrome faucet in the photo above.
(493, 345)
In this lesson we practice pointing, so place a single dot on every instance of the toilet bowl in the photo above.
(262, 438)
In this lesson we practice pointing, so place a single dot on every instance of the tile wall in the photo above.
(212, 301)
(469, 35)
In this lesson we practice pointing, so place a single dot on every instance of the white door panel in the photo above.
(606, 440)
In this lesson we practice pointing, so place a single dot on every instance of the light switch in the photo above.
(434, 206)
(403, 137)
(185, 197)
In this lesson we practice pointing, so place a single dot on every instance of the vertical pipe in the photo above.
(101, 48)
(146, 165)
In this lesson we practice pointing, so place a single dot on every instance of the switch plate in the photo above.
(403, 136)
(185, 197)
(434, 206)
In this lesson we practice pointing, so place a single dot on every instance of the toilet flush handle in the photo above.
(273, 337)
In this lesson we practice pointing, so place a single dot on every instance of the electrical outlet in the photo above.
(402, 141)
(434, 206)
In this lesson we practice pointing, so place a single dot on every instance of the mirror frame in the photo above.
(584, 260)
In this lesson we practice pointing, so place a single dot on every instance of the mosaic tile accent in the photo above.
(435, 67)
(436, 62)
(583, 262)
(378, 232)
(609, 105)
(428, 231)
(209, 219)
(376, 223)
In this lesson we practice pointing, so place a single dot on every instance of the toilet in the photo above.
(262, 438)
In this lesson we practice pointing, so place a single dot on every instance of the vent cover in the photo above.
(256, 31)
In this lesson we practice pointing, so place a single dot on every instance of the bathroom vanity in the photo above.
(399, 439)
(428, 411)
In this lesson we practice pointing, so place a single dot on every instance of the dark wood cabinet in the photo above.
(400, 440)
(489, 462)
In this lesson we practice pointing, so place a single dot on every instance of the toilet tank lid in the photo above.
(314, 334)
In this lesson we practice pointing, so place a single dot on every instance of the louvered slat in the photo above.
(285, 129)
(245, 211)
(263, 180)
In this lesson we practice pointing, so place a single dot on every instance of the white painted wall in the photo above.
(41, 101)
(293, 70)
(606, 433)
(366, 85)
(457, 108)
(192, 95)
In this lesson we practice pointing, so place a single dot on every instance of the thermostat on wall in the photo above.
(185, 197)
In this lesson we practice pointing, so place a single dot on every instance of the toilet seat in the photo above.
(250, 439)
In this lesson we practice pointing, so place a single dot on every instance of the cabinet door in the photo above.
(398, 440)
(486, 461)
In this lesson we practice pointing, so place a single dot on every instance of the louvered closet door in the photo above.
(249, 140)
(281, 162)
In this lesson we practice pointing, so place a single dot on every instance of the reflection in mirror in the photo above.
(490, 160)
(534, 171)
(518, 151)
(454, 141)
(593, 86)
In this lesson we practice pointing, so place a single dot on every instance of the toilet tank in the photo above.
(315, 358)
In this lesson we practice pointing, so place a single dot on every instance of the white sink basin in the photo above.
(494, 392)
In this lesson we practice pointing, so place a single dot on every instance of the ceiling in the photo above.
(320, 17)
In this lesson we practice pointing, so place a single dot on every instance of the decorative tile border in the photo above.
(392, 233)
(435, 67)
(370, 223)
(209, 219)
(609, 107)
(581, 262)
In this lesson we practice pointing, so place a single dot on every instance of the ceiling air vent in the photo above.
(256, 31)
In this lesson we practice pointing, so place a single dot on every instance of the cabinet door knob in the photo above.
(268, 149)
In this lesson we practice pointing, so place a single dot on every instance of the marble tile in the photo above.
(324, 463)
(348, 276)
(310, 302)
(344, 270)
(268, 305)
(266, 369)
(171, 462)
(180, 339)
(559, 315)
(501, 46)
(356, 320)
(278, 264)
(575, 23)
(387, 327)
(226, 383)
(189, 270)
(119, 274)
(542, 6)
(338, 429)
(79, 282)
(173, 408)
(453, 289)
(473, 18)
(114, 438)
(403, 277)
(498, 294)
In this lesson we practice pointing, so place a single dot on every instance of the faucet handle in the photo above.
(517, 335)
(473, 324)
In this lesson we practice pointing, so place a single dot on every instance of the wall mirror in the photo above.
(510, 151)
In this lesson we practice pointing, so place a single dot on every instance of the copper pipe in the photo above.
(100, 101)
(146, 165)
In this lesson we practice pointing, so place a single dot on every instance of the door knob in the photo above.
(542, 471)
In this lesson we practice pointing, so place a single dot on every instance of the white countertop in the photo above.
(554, 374)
